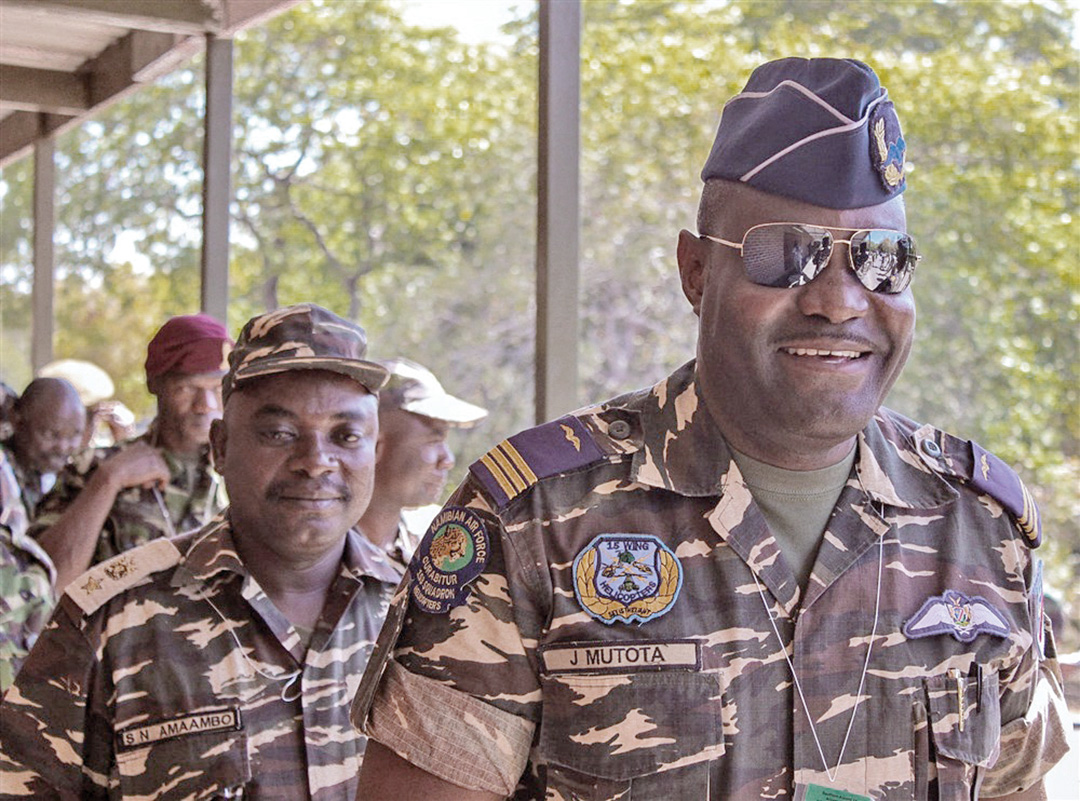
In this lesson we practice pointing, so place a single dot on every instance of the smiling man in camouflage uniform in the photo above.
(220, 663)
(158, 484)
(750, 580)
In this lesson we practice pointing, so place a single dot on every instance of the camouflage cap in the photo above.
(414, 388)
(301, 337)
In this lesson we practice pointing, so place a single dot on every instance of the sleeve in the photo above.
(458, 663)
(1033, 710)
(56, 741)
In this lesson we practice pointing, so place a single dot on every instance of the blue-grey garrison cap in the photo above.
(820, 130)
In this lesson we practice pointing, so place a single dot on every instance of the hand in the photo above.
(137, 465)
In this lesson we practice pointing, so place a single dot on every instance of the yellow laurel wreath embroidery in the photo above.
(669, 582)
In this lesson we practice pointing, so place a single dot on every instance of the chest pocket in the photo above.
(960, 751)
(202, 757)
(637, 736)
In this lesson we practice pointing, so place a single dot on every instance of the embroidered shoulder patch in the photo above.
(993, 477)
(956, 614)
(453, 553)
(515, 464)
(107, 580)
(631, 578)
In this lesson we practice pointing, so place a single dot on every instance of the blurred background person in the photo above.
(48, 421)
(158, 484)
(412, 457)
(108, 420)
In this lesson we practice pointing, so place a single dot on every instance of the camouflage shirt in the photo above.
(167, 673)
(30, 482)
(26, 580)
(604, 603)
(192, 497)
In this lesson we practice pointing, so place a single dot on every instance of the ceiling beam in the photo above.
(184, 17)
(19, 132)
(137, 58)
(132, 60)
(26, 89)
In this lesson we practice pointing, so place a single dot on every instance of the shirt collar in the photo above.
(213, 551)
(684, 451)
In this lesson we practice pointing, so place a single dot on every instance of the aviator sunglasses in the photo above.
(788, 255)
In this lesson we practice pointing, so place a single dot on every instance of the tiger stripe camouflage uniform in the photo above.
(192, 497)
(615, 640)
(169, 674)
(26, 580)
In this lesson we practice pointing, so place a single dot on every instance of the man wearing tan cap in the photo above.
(220, 663)
(749, 580)
(158, 484)
(412, 457)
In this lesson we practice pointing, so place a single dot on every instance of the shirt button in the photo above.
(931, 448)
(619, 429)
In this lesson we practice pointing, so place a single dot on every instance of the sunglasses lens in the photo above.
(784, 255)
(884, 261)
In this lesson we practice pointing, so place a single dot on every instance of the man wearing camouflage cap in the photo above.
(220, 663)
(158, 484)
(412, 457)
(750, 580)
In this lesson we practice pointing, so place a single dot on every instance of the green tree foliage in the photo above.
(388, 171)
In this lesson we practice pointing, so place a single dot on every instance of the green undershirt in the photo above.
(796, 505)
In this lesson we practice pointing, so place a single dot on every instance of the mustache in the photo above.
(845, 334)
(308, 489)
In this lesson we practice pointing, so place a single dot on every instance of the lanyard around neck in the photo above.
(862, 678)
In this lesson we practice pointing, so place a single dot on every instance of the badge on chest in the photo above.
(627, 578)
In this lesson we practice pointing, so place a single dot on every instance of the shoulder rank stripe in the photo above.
(992, 476)
(508, 468)
(517, 463)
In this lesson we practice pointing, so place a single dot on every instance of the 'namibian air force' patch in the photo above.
(453, 553)
(956, 614)
(629, 578)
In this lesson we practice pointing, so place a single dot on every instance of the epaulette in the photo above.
(985, 473)
(105, 581)
(517, 463)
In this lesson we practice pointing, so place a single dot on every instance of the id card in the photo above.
(816, 792)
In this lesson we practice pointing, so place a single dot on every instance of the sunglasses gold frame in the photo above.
(810, 228)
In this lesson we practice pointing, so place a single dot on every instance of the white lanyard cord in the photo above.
(288, 678)
(862, 679)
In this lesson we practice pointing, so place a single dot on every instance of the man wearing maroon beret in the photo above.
(158, 484)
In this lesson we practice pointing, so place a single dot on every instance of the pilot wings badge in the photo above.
(626, 577)
(956, 614)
